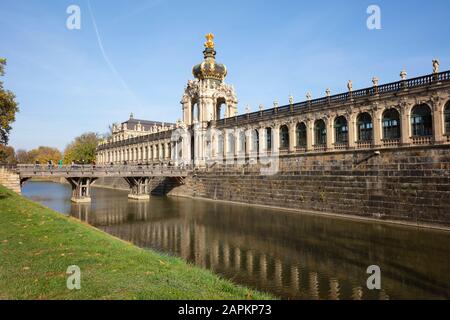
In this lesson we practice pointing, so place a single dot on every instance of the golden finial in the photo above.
(210, 41)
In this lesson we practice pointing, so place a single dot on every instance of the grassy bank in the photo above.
(38, 245)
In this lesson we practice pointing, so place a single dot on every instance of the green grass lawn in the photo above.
(37, 245)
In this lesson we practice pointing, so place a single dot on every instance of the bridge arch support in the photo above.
(139, 188)
(81, 188)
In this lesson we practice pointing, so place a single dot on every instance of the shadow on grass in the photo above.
(4, 196)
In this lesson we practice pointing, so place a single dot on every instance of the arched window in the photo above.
(341, 130)
(269, 139)
(301, 135)
(255, 140)
(365, 127)
(421, 123)
(221, 109)
(447, 117)
(284, 137)
(320, 133)
(391, 124)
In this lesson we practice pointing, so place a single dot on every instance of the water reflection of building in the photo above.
(243, 261)
(261, 250)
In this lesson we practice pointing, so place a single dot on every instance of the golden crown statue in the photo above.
(209, 41)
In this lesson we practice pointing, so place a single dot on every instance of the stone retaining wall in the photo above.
(400, 184)
(407, 184)
(10, 180)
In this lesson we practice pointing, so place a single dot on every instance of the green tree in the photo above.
(45, 154)
(8, 107)
(82, 149)
(7, 155)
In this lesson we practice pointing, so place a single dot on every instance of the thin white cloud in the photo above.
(108, 61)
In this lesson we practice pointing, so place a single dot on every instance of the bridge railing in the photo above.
(7, 166)
(103, 169)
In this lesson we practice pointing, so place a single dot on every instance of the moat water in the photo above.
(292, 255)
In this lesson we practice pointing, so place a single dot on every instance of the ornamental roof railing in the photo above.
(135, 140)
(311, 105)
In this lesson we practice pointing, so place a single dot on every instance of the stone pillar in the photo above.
(197, 143)
(438, 121)
(262, 141)
(225, 144)
(377, 115)
(292, 138)
(276, 138)
(405, 124)
(187, 152)
(352, 130)
(330, 132)
(249, 142)
(187, 111)
(237, 142)
(173, 151)
(214, 144)
(309, 134)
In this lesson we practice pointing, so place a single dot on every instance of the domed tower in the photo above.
(207, 95)
(209, 69)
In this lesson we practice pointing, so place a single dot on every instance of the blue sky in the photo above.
(66, 86)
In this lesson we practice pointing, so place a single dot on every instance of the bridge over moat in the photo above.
(82, 177)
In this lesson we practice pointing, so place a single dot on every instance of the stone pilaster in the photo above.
(352, 126)
(262, 141)
(437, 107)
(292, 137)
(405, 123)
(330, 132)
(309, 134)
(276, 138)
(377, 115)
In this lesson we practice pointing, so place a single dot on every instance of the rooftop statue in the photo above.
(435, 66)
